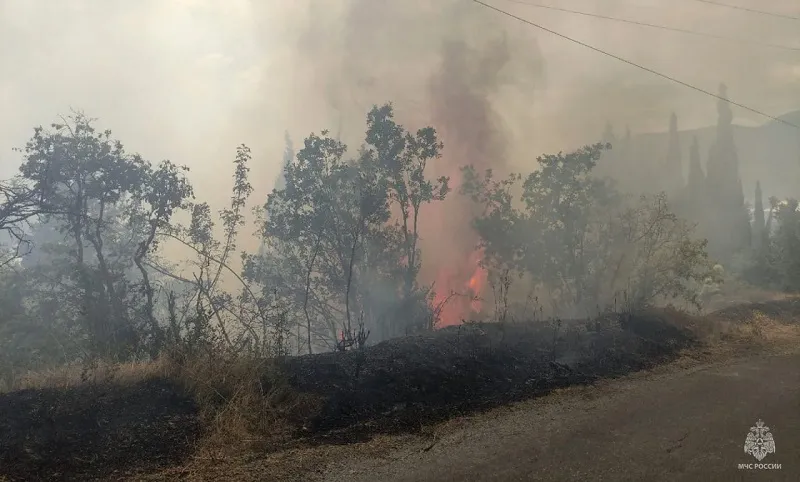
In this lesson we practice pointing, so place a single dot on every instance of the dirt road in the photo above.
(684, 424)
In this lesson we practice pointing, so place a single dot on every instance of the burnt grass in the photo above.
(97, 431)
(401, 384)
(111, 430)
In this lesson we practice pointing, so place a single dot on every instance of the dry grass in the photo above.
(722, 338)
(247, 410)
(245, 403)
(71, 375)
(748, 329)
(247, 407)
(761, 331)
(736, 292)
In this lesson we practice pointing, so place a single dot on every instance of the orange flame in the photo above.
(458, 294)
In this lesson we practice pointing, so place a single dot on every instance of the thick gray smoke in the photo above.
(470, 75)
(191, 79)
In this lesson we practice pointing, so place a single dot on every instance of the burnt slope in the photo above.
(94, 431)
(400, 384)
(109, 430)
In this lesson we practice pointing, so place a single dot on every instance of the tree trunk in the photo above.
(138, 258)
(308, 289)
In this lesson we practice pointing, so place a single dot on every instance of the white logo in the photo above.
(759, 441)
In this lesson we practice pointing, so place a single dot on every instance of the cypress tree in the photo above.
(288, 157)
(626, 152)
(727, 218)
(609, 164)
(673, 169)
(697, 178)
(759, 222)
(608, 135)
(741, 220)
(280, 180)
(694, 201)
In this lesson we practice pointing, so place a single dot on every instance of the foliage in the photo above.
(98, 209)
(785, 246)
(658, 254)
(85, 277)
(333, 253)
(88, 183)
(577, 238)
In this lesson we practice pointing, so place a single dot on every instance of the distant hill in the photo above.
(769, 153)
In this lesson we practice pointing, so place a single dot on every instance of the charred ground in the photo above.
(110, 429)
(94, 431)
(402, 384)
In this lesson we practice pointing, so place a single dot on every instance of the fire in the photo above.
(450, 260)
(458, 293)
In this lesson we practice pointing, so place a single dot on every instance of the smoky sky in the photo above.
(189, 80)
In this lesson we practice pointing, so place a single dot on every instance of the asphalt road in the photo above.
(681, 425)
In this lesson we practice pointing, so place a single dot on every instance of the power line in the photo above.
(651, 25)
(634, 64)
(746, 9)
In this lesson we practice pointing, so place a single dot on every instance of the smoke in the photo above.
(463, 96)
(465, 73)
(189, 80)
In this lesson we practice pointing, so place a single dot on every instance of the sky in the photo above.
(189, 80)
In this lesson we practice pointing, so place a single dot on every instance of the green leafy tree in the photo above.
(84, 175)
(163, 191)
(19, 205)
(787, 245)
(574, 236)
(656, 257)
(108, 204)
(332, 253)
(552, 234)
(403, 159)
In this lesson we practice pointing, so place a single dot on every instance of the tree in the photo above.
(657, 253)
(608, 134)
(86, 174)
(550, 238)
(612, 161)
(329, 230)
(109, 204)
(786, 256)
(673, 166)
(576, 237)
(20, 204)
(163, 191)
(296, 219)
(760, 235)
(697, 178)
(323, 220)
(728, 221)
(404, 158)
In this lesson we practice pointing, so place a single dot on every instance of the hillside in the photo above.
(175, 419)
(131, 426)
(769, 153)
